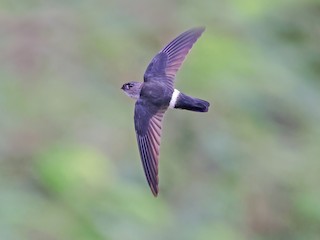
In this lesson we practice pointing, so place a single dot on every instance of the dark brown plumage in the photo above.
(155, 95)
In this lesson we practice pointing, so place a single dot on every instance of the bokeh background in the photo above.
(69, 164)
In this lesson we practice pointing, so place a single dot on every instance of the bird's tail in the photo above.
(191, 104)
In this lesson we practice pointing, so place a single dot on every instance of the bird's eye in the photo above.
(128, 86)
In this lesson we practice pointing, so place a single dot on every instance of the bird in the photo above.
(155, 95)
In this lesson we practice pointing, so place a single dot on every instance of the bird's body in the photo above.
(155, 95)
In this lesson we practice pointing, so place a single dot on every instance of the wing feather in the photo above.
(148, 130)
(165, 65)
(178, 49)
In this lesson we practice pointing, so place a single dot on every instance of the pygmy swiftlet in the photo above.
(155, 95)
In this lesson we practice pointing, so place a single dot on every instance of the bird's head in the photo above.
(132, 89)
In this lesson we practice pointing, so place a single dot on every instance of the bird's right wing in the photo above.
(169, 60)
(148, 124)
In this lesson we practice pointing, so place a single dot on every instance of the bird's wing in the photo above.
(168, 61)
(148, 124)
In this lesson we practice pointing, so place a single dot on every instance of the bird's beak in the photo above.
(122, 87)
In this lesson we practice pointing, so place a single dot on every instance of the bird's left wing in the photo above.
(148, 124)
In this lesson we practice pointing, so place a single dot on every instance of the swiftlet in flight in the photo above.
(155, 95)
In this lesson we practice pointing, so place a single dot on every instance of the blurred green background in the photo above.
(69, 164)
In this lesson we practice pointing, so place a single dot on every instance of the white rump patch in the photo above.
(174, 98)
